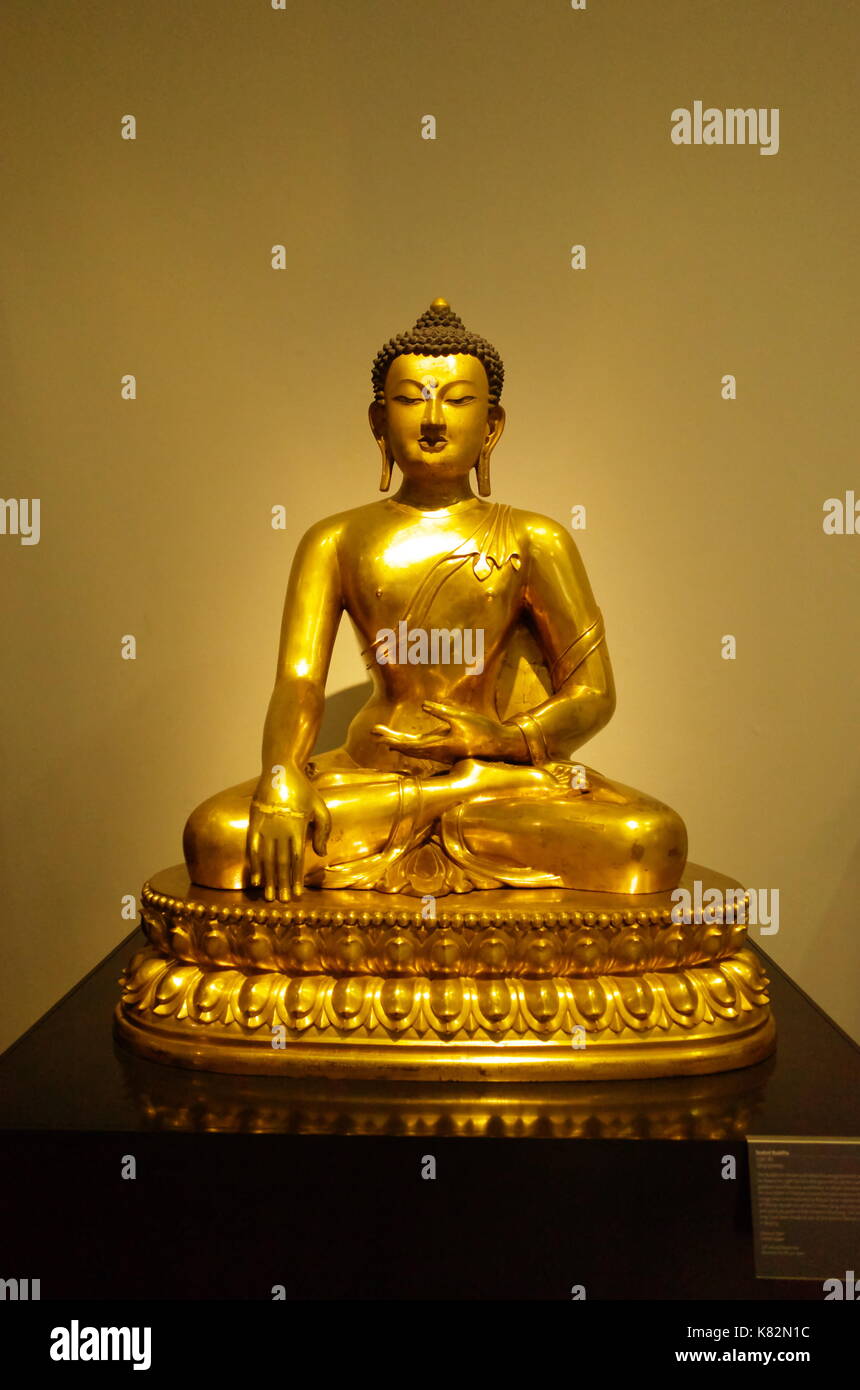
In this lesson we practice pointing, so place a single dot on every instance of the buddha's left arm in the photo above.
(569, 627)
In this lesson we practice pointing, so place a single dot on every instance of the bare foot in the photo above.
(472, 776)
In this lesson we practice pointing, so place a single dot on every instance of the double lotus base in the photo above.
(547, 985)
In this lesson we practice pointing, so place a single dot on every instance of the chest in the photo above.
(427, 581)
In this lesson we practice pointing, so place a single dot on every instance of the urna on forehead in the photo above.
(439, 332)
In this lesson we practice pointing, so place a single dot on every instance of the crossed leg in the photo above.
(612, 839)
(364, 805)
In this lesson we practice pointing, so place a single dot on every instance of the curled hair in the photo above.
(439, 332)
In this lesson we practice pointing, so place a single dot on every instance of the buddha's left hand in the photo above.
(466, 734)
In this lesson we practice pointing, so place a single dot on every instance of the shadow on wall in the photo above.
(340, 710)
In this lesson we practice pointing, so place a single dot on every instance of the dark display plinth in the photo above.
(630, 1220)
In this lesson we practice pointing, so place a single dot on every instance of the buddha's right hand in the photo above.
(283, 810)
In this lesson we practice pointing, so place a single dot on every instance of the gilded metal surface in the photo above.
(543, 945)
(374, 1007)
(489, 670)
(520, 991)
(512, 933)
(173, 1016)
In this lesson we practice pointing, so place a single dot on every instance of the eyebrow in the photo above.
(461, 381)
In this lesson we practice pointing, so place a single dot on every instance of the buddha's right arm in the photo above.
(312, 611)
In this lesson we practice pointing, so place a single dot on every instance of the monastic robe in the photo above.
(532, 685)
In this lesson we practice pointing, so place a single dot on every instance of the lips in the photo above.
(432, 446)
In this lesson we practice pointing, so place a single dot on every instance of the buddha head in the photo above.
(436, 400)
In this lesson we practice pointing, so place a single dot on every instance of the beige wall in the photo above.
(704, 516)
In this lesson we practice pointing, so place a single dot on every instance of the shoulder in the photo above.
(330, 530)
(557, 583)
(543, 538)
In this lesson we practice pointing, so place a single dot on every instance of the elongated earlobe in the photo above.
(483, 472)
(385, 480)
(376, 416)
(496, 421)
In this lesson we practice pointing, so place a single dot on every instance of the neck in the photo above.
(433, 494)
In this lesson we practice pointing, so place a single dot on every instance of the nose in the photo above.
(433, 421)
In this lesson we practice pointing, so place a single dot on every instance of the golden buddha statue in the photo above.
(440, 787)
(489, 671)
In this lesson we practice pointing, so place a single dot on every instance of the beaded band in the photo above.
(268, 810)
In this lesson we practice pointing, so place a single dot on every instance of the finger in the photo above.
(414, 743)
(394, 738)
(270, 869)
(283, 868)
(441, 708)
(297, 861)
(430, 746)
(321, 827)
(440, 711)
(254, 857)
